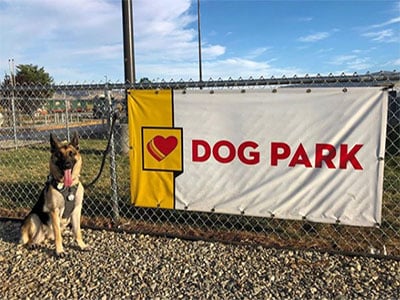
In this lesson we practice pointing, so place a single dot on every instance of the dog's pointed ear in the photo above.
(75, 141)
(54, 143)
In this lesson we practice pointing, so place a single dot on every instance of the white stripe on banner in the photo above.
(290, 154)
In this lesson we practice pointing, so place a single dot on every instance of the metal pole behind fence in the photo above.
(129, 55)
(113, 165)
(66, 116)
(199, 41)
(14, 119)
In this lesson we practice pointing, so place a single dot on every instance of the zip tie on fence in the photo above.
(106, 151)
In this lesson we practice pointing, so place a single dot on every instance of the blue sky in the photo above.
(81, 40)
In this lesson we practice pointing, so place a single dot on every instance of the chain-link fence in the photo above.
(28, 114)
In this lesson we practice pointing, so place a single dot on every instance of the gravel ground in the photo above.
(136, 266)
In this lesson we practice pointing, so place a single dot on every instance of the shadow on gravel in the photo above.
(9, 231)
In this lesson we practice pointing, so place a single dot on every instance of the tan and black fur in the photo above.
(47, 219)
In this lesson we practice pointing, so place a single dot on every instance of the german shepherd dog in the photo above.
(60, 202)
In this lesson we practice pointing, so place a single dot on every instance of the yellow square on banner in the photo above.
(162, 149)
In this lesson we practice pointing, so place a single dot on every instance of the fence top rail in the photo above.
(385, 79)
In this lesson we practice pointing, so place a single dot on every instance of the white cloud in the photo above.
(245, 68)
(212, 52)
(325, 50)
(314, 37)
(386, 35)
(384, 32)
(390, 22)
(338, 60)
(305, 19)
(234, 68)
(52, 34)
(396, 62)
(254, 53)
(352, 62)
(161, 18)
(102, 52)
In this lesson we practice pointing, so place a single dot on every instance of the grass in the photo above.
(24, 171)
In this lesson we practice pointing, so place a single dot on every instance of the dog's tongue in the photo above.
(67, 178)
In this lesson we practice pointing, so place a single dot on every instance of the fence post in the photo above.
(14, 118)
(66, 116)
(113, 168)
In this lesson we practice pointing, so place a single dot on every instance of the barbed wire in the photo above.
(382, 78)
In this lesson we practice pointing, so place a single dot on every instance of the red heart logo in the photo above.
(159, 147)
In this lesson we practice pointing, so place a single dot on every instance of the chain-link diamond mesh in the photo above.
(28, 114)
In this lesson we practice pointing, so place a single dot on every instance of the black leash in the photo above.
(106, 151)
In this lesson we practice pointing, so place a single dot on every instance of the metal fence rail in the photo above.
(29, 113)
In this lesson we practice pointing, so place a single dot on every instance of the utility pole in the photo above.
(199, 41)
(129, 78)
(129, 55)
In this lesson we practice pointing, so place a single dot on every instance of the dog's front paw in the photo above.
(32, 246)
(85, 248)
(61, 254)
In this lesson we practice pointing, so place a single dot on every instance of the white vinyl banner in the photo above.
(293, 154)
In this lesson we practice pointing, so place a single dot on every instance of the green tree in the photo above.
(32, 75)
(145, 80)
(30, 88)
